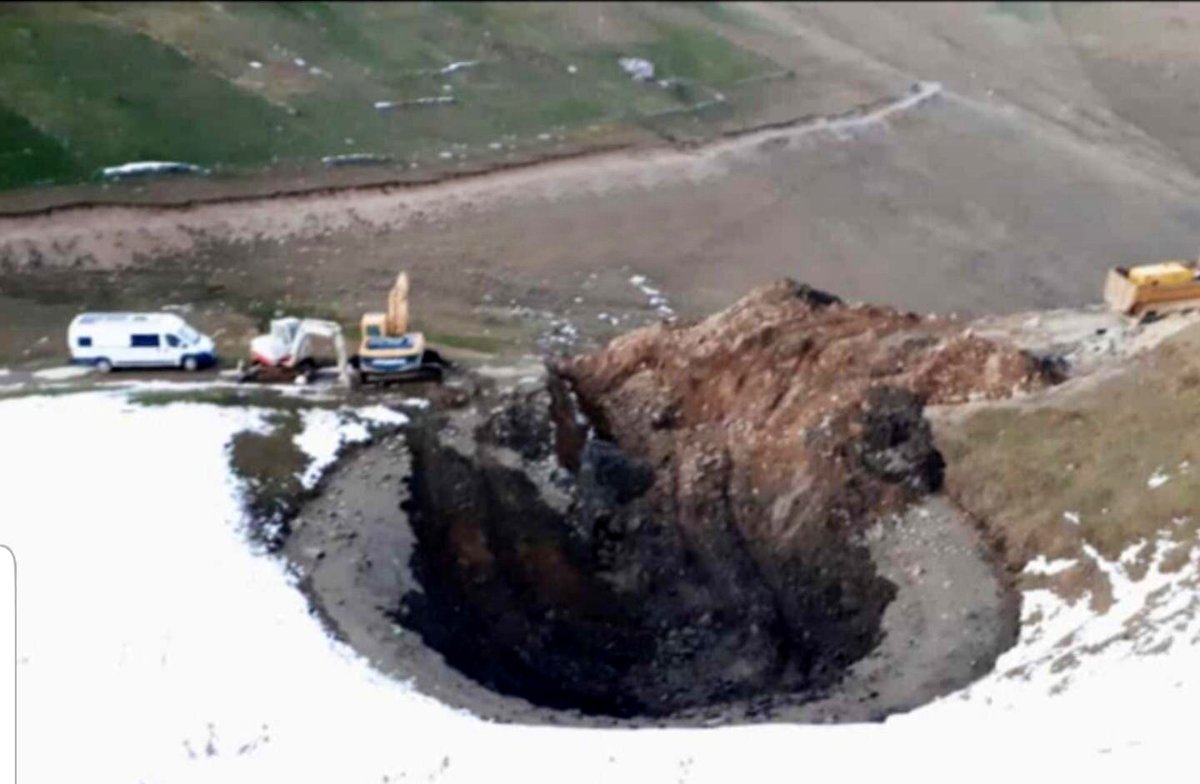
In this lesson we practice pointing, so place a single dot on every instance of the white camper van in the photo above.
(109, 340)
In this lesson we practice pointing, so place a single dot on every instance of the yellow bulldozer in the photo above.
(1153, 289)
(388, 350)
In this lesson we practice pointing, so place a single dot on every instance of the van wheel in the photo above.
(190, 364)
(104, 365)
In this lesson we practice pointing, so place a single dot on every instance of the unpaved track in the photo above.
(115, 236)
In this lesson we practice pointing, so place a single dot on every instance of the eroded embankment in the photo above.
(680, 521)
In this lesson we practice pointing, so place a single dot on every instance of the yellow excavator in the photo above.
(1153, 289)
(388, 350)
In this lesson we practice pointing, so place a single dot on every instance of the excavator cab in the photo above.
(374, 325)
(283, 330)
(387, 349)
(383, 354)
(376, 337)
(286, 353)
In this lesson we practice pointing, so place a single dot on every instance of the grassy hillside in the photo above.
(1110, 465)
(242, 85)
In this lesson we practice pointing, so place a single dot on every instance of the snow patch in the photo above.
(220, 673)
(654, 297)
(430, 100)
(384, 415)
(139, 168)
(62, 373)
(843, 128)
(1157, 479)
(354, 158)
(561, 332)
(1041, 566)
(458, 66)
(324, 435)
(638, 68)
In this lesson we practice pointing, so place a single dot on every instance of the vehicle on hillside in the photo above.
(144, 340)
(1153, 289)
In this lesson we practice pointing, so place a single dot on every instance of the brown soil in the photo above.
(681, 525)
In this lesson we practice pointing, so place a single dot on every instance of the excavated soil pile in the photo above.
(675, 522)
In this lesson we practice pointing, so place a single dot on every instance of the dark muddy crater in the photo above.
(557, 568)
(732, 520)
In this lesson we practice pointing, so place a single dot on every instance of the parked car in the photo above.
(109, 340)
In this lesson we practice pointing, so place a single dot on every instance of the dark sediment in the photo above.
(677, 521)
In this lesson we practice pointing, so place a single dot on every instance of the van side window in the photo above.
(172, 341)
(143, 341)
(83, 342)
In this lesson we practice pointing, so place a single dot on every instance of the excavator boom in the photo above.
(397, 306)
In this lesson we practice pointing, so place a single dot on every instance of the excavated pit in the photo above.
(679, 522)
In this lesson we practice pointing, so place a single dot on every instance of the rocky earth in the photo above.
(680, 520)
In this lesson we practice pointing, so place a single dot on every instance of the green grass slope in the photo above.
(239, 86)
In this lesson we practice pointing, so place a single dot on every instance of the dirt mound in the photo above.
(676, 521)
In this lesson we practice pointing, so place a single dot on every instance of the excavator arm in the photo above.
(329, 330)
(397, 306)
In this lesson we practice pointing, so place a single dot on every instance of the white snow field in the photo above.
(8, 663)
(156, 646)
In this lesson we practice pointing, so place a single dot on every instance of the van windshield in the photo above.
(188, 335)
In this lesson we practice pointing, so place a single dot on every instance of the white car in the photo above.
(148, 340)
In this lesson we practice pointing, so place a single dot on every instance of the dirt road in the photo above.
(108, 237)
